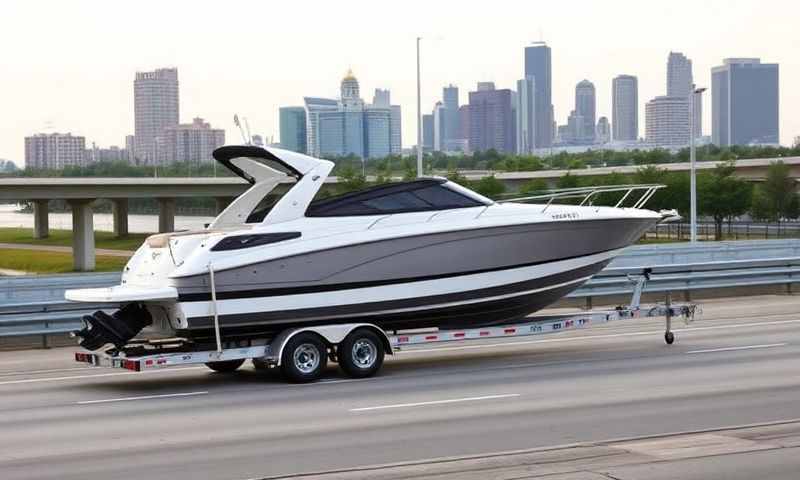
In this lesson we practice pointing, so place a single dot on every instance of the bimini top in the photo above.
(248, 161)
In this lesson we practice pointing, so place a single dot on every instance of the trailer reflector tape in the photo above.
(510, 330)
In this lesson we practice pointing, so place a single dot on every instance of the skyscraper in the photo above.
(666, 121)
(491, 121)
(745, 102)
(439, 126)
(156, 107)
(585, 107)
(190, 143)
(625, 108)
(427, 131)
(382, 98)
(314, 107)
(526, 115)
(451, 119)
(680, 83)
(54, 151)
(603, 131)
(293, 129)
(538, 66)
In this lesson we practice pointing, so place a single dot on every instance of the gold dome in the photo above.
(349, 76)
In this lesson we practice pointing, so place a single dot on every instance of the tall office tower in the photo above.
(491, 121)
(190, 143)
(54, 151)
(396, 130)
(665, 121)
(156, 107)
(526, 116)
(377, 132)
(439, 126)
(625, 108)
(745, 102)
(314, 107)
(585, 107)
(485, 86)
(293, 129)
(603, 131)
(427, 132)
(382, 98)
(452, 122)
(679, 84)
(538, 66)
(130, 148)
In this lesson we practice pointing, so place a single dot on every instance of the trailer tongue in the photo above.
(302, 353)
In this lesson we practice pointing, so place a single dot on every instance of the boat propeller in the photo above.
(101, 328)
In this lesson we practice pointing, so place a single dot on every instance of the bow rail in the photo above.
(588, 194)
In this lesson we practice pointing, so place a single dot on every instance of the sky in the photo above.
(68, 66)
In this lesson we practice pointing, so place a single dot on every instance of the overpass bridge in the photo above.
(80, 193)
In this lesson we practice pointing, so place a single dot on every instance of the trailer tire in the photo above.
(260, 364)
(225, 366)
(304, 358)
(361, 353)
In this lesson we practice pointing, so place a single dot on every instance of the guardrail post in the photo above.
(45, 340)
(588, 303)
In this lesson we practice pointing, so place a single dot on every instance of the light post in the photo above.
(693, 172)
(419, 116)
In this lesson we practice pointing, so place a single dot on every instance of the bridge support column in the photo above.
(83, 254)
(119, 210)
(166, 215)
(222, 203)
(41, 223)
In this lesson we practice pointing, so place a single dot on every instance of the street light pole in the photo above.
(692, 166)
(419, 116)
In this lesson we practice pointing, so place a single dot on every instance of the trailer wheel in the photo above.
(304, 358)
(361, 353)
(225, 366)
(669, 337)
(260, 364)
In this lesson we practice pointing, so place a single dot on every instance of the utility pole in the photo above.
(419, 116)
(692, 162)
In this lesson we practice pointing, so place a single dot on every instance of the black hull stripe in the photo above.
(277, 292)
(418, 303)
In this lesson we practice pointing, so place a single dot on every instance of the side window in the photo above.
(442, 197)
(261, 210)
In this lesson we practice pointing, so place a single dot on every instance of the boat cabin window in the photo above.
(261, 210)
(416, 196)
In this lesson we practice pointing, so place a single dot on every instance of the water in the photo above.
(11, 217)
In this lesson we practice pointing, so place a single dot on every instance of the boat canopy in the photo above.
(249, 161)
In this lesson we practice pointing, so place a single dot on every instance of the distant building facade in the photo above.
(666, 121)
(538, 65)
(427, 132)
(189, 143)
(130, 148)
(54, 151)
(526, 116)
(491, 121)
(585, 108)
(625, 108)
(156, 107)
(745, 103)
(680, 83)
(293, 129)
(603, 131)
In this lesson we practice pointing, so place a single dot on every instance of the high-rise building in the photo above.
(349, 126)
(156, 107)
(526, 115)
(585, 107)
(538, 66)
(451, 119)
(666, 121)
(293, 129)
(130, 147)
(189, 143)
(54, 151)
(485, 86)
(625, 108)
(745, 102)
(427, 132)
(439, 126)
(603, 132)
(680, 83)
(491, 121)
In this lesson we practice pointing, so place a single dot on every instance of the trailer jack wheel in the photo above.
(669, 337)
(225, 366)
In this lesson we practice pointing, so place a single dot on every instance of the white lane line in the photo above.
(733, 349)
(593, 337)
(99, 375)
(42, 372)
(144, 397)
(435, 402)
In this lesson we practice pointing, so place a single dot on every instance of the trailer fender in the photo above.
(332, 334)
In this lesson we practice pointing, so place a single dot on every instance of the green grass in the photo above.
(64, 238)
(38, 261)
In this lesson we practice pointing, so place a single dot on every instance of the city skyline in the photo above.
(216, 86)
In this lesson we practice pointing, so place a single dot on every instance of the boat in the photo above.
(416, 254)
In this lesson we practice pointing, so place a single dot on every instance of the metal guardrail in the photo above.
(35, 305)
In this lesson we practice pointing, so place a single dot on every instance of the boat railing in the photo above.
(639, 194)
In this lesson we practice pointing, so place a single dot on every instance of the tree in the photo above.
(534, 187)
(489, 186)
(722, 196)
(350, 180)
(778, 200)
(568, 181)
(456, 177)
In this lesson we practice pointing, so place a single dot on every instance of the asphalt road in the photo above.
(736, 365)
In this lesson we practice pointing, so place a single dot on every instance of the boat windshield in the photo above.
(415, 196)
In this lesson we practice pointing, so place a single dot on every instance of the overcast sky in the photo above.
(68, 66)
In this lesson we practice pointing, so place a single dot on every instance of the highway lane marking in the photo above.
(733, 349)
(435, 402)
(99, 375)
(143, 397)
(592, 337)
(41, 372)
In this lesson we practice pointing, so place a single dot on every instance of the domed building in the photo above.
(349, 88)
